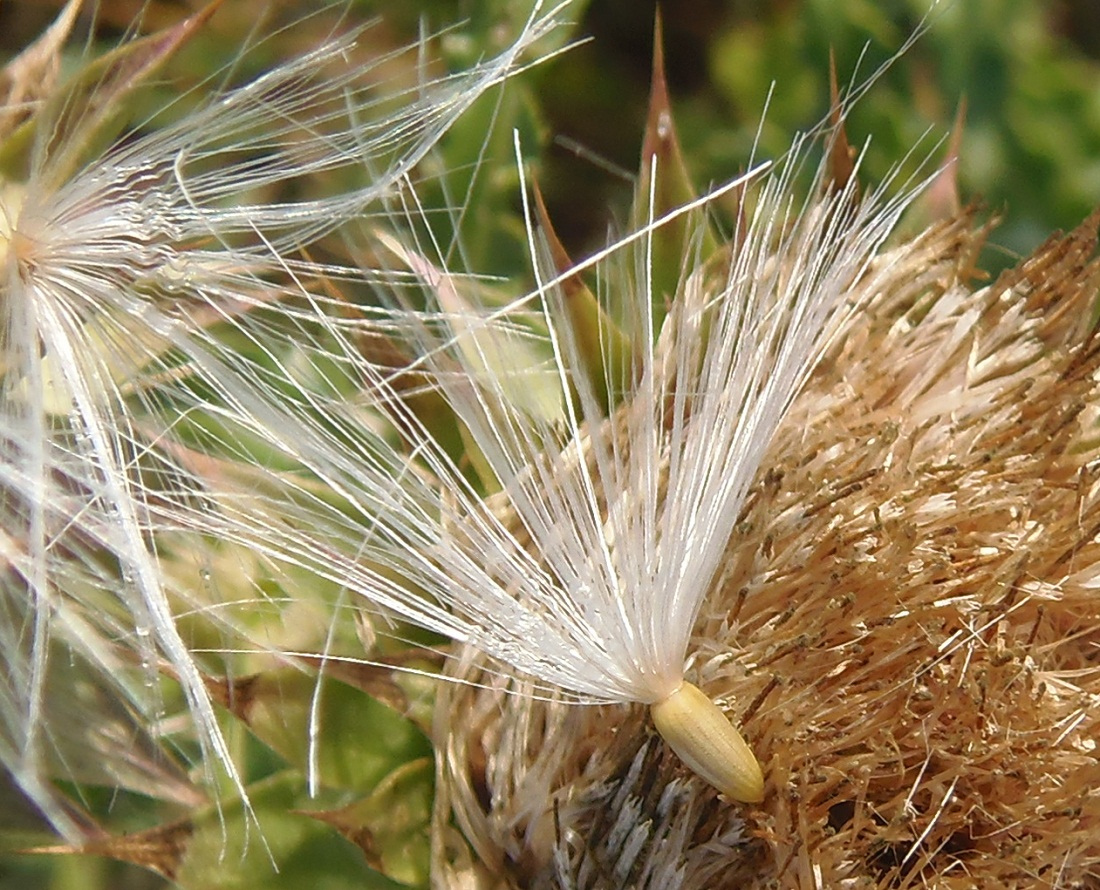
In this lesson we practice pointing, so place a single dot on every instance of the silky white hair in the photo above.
(120, 272)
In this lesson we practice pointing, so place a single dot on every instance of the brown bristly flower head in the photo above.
(908, 606)
(909, 603)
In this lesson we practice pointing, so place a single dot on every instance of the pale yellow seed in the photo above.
(697, 730)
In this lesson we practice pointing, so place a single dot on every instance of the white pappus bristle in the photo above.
(587, 570)
(121, 273)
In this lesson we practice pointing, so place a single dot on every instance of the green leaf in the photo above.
(392, 825)
(358, 741)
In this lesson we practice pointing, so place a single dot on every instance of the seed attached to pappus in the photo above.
(703, 737)
(608, 477)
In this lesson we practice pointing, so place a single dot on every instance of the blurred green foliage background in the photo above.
(1028, 71)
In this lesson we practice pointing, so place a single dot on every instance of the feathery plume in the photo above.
(124, 270)
(616, 494)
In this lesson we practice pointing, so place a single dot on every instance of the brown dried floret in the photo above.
(908, 625)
